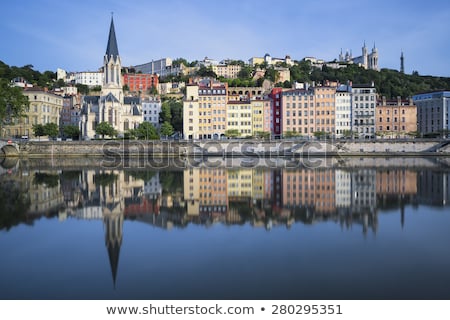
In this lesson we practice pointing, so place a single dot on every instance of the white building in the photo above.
(363, 111)
(61, 74)
(152, 187)
(89, 78)
(343, 190)
(343, 105)
(151, 108)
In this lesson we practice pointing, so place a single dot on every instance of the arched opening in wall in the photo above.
(9, 151)
(8, 163)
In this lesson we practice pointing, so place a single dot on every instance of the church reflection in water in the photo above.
(258, 197)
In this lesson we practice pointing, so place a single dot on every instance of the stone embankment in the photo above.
(229, 148)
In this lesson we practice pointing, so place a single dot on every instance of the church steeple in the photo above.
(111, 48)
(111, 63)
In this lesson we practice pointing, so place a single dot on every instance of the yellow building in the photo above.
(240, 183)
(258, 116)
(229, 71)
(239, 117)
(191, 191)
(204, 111)
(45, 107)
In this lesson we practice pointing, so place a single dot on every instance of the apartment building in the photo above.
(229, 71)
(205, 110)
(395, 118)
(363, 111)
(343, 111)
(260, 115)
(151, 107)
(45, 107)
(324, 99)
(298, 112)
(239, 117)
(89, 78)
(433, 109)
(140, 82)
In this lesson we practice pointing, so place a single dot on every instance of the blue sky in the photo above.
(73, 34)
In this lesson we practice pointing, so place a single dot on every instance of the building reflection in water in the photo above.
(255, 196)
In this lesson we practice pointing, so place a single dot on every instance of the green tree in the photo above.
(290, 134)
(347, 133)
(166, 129)
(60, 83)
(12, 103)
(152, 90)
(321, 134)
(51, 129)
(262, 134)
(146, 131)
(105, 129)
(245, 73)
(82, 89)
(165, 114)
(232, 133)
(72, 131)
(206, 72)
(179, 61)
(172, 112)
(38, 130)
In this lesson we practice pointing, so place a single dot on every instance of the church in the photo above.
(111, 106)
(366, 60)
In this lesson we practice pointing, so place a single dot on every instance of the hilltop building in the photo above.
(366, 60)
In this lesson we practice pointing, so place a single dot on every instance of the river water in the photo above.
(347, 229)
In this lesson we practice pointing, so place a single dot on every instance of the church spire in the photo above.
(111, 48)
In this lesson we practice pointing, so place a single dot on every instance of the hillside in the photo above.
(389, 83)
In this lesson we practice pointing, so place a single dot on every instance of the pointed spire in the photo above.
(111, 48)
(113, 253)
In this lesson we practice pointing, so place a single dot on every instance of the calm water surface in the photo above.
(342, 232)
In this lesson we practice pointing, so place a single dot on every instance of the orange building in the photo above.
(140, 81)
(324, 99)
(396, 182)
(310, 188)
(395, 118)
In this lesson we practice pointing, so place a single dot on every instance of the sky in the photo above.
(72, 35)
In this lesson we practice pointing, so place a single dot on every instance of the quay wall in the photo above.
(246, 148)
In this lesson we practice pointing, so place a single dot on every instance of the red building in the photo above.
(275, 96)
(140, 81)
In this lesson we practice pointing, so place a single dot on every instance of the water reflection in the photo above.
(261, 198)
